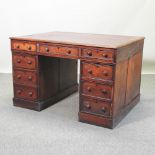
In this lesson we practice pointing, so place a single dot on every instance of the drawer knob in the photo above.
(90, 71)
(69, 51)
(47, 49)
(30, 93)
(29, 62)
(87, 105)
(104, 91)
(19, 91)
(29, 48)
(18, 46)
(18, 76)
(105, 73)
(89, 89)
(89, 53)
(18, 60)
(30, 78)
(105, 55)
(103, 109)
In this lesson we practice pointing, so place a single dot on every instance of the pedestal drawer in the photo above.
(25, 77)
(25, 92)
(24, 61)
(96, 89)
(95, 106)
(96, 71)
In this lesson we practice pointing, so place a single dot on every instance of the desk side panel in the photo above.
(127, 82)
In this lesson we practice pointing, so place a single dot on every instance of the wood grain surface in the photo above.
(97, 40)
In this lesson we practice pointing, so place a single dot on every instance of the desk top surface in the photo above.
(97, 40)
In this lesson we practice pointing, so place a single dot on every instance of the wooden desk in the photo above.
(45, 71)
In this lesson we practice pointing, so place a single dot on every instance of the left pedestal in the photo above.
(25, 81)
(40, 81)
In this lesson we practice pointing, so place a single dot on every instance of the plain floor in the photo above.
(56, 130)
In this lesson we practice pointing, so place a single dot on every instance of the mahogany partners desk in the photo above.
(45, 71)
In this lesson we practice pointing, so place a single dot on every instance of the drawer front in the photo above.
(66, 51)
(97, 90)
(25, 92)
(24, 61)
(69, 51)
(25, 77)
(95, 106)
(106, 56)
(90, 70)
(24, 46)
(49, 49)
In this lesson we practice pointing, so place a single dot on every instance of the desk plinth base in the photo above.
(108, 122)
(40, 105)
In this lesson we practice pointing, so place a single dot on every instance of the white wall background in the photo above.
(126, 17)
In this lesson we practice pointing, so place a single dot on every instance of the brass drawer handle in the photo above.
(30, 78)
(104, 91)
(19, 60)
(69, 51)
(29, 47)
(47, 49)
(90, 71)
(87, 105)
(18, 76)
(30, 94)
(89, 53)
(29, 62)
(89, 89)
(103, 109)
(18, 46)
(105, 55)
(19, 92)
(105, 73)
